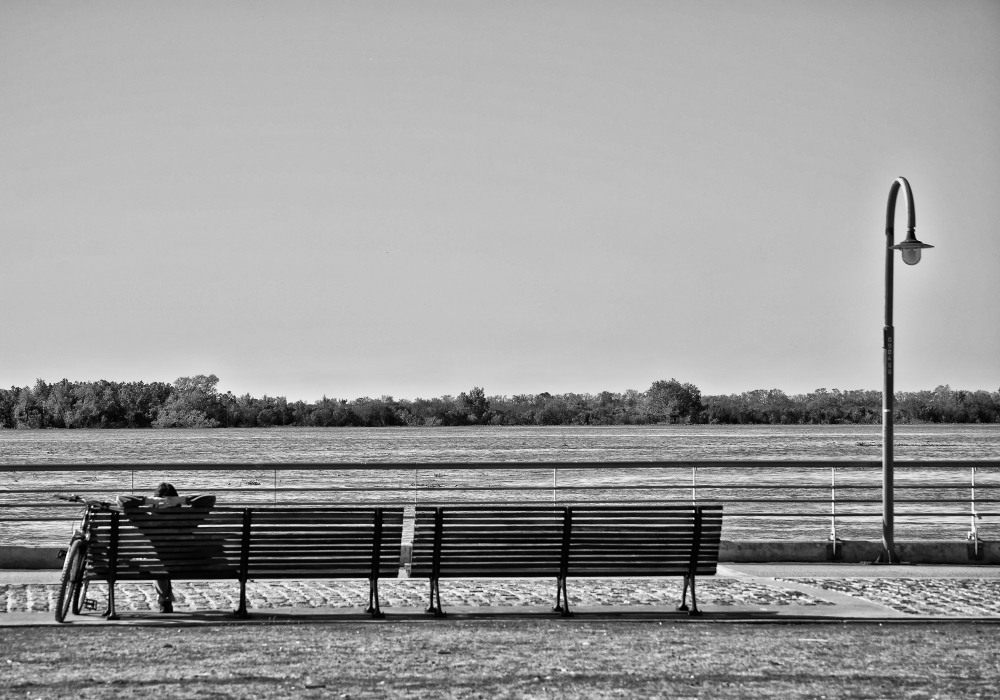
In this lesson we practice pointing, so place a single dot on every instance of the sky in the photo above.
(414, 198)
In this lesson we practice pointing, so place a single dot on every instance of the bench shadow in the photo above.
(184, 618)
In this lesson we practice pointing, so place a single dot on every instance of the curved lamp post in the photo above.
(910, 249)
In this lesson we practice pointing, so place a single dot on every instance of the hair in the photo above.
(165, 489)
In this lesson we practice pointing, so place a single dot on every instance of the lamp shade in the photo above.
(911, 248)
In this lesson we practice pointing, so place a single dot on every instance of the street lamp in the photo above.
(910, 249)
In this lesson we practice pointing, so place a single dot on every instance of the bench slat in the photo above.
(544, 536)
(519, 507)
(557, 528)
(152, 575)
(367, 519)
(314, 533)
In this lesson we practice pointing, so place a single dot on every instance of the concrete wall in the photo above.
(928, 552)
(763, 551)
(31, 557)
(760, 551)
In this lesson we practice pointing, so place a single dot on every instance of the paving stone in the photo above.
(971, 597)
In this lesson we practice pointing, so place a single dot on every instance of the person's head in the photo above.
(165, 489)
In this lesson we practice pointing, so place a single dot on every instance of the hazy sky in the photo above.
(414, 198)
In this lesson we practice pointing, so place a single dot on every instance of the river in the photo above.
(581, 444)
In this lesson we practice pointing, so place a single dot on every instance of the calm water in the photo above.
(522, 444)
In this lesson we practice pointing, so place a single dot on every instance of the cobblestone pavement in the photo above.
(977, 597)
(218, 595)
(943, 597)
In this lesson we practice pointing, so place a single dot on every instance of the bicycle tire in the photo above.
(69, 580)
(80, 592)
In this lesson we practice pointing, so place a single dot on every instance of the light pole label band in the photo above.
(887, 346)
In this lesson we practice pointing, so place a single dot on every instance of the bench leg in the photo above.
(373, 607)
(683, 607)
(111, 613)
(435, 591)
(561, 595)
(694, 612)
(241, 611)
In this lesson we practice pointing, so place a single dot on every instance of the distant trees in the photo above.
(195, 402)
(673, 402)
(66, 404)
(775, 407)
(943, 405)
(476, 404)
(190, 404)
(946, 405)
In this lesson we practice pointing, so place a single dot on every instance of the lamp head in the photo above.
(911, 248)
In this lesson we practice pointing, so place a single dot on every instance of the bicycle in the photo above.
(72, 584)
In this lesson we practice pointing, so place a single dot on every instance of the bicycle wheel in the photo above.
(70, 579)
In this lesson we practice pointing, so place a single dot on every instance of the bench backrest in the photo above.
(584, 540)
(230, 542)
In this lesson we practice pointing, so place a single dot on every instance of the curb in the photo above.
(293, 616)
(730, 551)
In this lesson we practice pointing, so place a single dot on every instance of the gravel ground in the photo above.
(506, 659)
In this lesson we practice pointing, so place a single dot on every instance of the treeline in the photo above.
(195, 402)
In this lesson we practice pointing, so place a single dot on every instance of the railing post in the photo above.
(694, 485)
(553, 485)
(974, 529)
(833, 509)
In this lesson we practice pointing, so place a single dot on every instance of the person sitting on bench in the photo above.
(164, 498)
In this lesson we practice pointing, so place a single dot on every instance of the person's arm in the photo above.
(201, 501)
(128, 500)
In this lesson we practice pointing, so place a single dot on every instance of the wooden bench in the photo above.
(513, 541)
(245, 544)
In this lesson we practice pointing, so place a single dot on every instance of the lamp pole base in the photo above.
(888, 556)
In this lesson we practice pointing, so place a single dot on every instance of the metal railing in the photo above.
(784, 491)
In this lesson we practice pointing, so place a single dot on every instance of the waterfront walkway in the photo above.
(744, 591)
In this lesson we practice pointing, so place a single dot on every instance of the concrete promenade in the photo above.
(777, 592)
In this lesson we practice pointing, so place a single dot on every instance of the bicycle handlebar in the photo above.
(76, 498)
